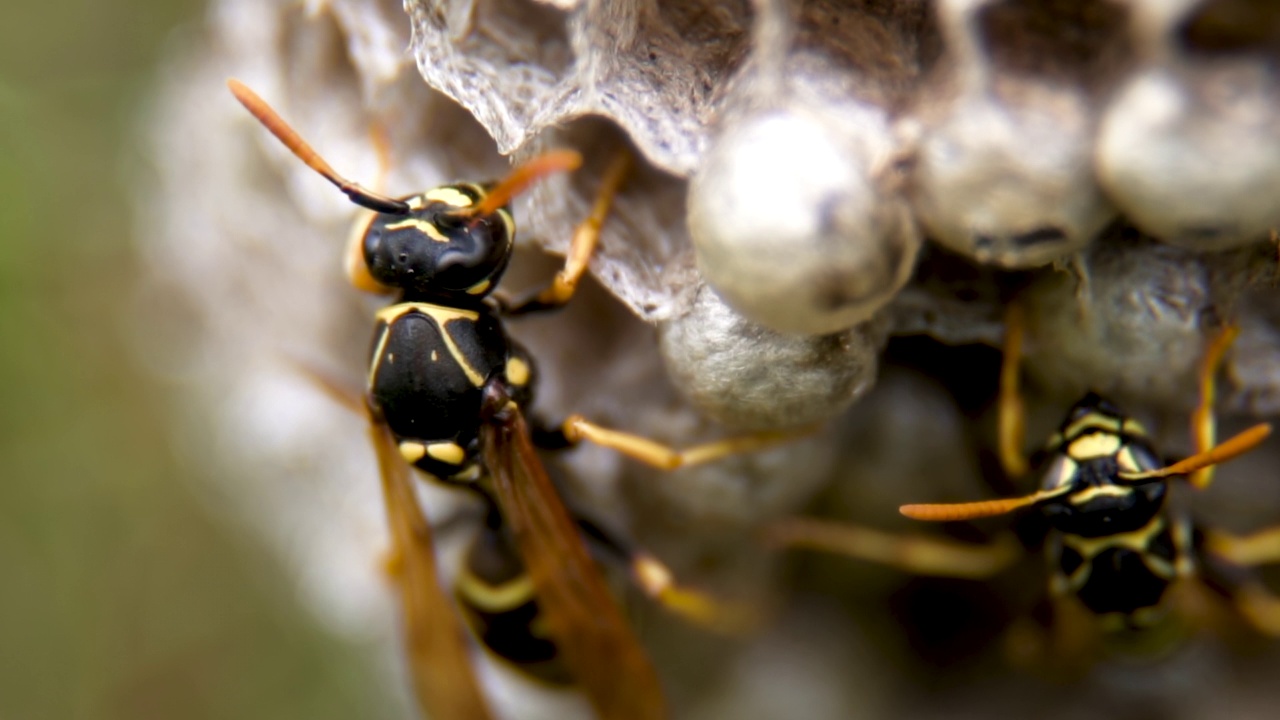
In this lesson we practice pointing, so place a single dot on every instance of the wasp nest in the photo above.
(815, 179)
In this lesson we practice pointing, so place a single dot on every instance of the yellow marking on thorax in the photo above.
(495, 598)
(1185, 563)
(1134, 428)
(447, 452)
(412, 451)
(517, 371)
(1094, 445)
(441, 315)
(469, 474)
(1105, 423)
(448, 196)
(376, 360)
(1136, 540)
(422, 226)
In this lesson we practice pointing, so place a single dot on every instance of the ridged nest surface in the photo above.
(834, 204)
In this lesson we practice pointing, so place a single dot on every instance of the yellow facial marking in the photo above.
(417, 202)
(1090, 493)
(447, 452)
(1093, 445)
(421, 226)
(495, 598)
(411, 451)
(517, 371)
(448, 196)
(479, 288)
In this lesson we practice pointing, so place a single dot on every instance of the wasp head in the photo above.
(440, 250)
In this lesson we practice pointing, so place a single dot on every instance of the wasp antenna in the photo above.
(524, 175)
(299, 147)
(948, 512)
(1229, 449)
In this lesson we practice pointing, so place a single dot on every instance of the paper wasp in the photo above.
(1118, 547)
(446, 392)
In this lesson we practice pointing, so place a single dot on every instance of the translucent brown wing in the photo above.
(439, 659)
(598, 644)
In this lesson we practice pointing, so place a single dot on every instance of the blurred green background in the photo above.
(121, 595)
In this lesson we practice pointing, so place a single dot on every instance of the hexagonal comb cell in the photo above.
(815, 180)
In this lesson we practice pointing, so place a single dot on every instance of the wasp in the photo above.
(446, 393)
(1118, 547)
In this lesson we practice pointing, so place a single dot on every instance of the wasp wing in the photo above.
(439, 659)
(599, 646)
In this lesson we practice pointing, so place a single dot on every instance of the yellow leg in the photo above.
(657, 582)
(909, 553)
(1260, 548)
(585, 238)
(1203, 425)
(577, 428)
(1259, 607)
(1011, 419)
(1064, 650)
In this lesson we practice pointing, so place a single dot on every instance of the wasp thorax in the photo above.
(438, 249)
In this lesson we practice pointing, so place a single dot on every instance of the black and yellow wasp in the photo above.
(446, 390)
(1118, 547)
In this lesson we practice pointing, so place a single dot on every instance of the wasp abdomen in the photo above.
(498, 599)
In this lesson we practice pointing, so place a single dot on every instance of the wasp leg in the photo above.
(1259, 548)
(1065, 646)
(910, 553)
(1011, 412)
(582, 247)
(658, 583)
(653, 578)
(1203, 424)
(1257, 605)
(650, 452)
